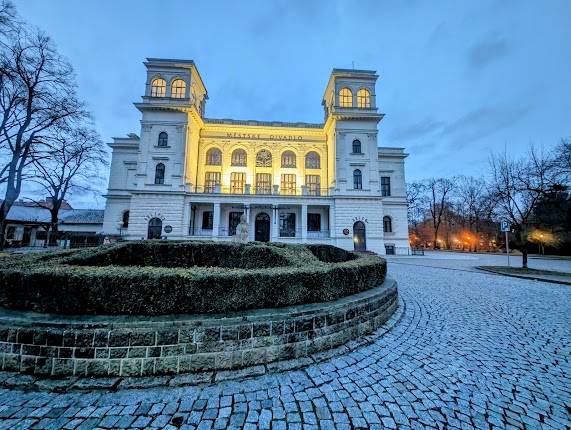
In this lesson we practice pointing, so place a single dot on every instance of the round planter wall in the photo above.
(50, 345)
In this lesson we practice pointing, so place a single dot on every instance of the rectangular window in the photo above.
(313, 184)
(237, 182)
(233, 221)
(211, 179)
(287, 224)
(263, 183)
(385, 186)
(313, 222)
(11, 233)
(288, 184)
(390, 249)
(207, 220)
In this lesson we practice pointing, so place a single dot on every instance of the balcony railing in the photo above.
(263, 191)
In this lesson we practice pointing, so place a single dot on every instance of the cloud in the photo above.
(481, 123)
(416, 130)
(486, 52)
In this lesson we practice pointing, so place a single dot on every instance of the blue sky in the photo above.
(458, 79)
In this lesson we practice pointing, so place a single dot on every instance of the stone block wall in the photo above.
(131, 346)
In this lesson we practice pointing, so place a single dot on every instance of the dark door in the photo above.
(155, 228)
(262, 227)
(359, 237)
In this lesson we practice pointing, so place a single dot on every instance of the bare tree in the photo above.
(517, 185)
(70, 162)
(439, 191)
(37, 92)
(562, 161)
(416, 200)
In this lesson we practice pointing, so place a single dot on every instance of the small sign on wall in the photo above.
(168, 228)
(346, 231)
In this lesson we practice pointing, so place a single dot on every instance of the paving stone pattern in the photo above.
(472, 350)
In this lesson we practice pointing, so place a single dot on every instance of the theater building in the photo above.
(191, 177)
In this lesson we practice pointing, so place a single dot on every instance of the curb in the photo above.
(529, 278)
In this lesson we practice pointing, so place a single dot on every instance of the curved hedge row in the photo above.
(184, 277)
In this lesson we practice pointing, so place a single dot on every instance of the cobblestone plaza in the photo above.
(471, 350)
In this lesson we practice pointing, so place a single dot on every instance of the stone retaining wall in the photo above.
(49, 345)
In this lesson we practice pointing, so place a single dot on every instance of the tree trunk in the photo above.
(524, 257)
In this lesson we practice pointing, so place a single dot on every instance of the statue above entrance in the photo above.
(242, 230)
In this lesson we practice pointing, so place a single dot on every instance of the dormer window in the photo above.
(363, 99)
(158, 87)
(178, 89)
(345, 97)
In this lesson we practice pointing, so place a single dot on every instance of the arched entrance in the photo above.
(155, 228)
(359, 236)
(262, 227)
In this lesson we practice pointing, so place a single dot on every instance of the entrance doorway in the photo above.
(262, 227)
(359, 236)
(155, 228)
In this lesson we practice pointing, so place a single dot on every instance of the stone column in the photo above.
(332, 221)
(216, 220)
(303, 222)
(275, 224)
(186, 219)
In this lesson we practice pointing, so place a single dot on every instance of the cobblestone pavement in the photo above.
(472, 350)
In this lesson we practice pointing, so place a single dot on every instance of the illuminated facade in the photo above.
(192, 177)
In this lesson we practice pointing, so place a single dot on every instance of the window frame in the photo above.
(160, 170)
(207, 216)
(211, 180)
(175, 90)
(363, 101)
(387, 224)
(357, 179)
(314, 158)
(313, 187)
(211, 160)
(237, 182)
(239, 158)
(288, 160)
(158, 90)
(261, 189)
(385, 186)
(163, 140)
(345, 97)
(313, 226)
(287, 220)
(356, 147)
(287, 186)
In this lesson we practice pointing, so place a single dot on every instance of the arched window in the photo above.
(357, 180)
(312, 160)
(160, 174)
(264, 158)
(158, 88)
(345, 97)
(288, 159)
(178, 89)
(387, 224)
(155, 228)
(125, 219)
(356, 146)
(163, 139)
(363, 99)
(239, 157)
(214, 157)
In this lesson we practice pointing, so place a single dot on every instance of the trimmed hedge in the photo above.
(159, 277)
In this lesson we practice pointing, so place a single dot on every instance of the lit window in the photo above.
(356, 146)
(288, 184)
(313, 184)
(385, 186)
(357, 180)
(387, 224)
(239, 157)
(363, 99)
(312, 160)
(263, 183)
(158, 88)
(163, 139)
(288, 159)
(178, 89)
(214, 157)
(160, 174)
(237, 182)
(345, 97)
(211, 180)
(264, 158)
